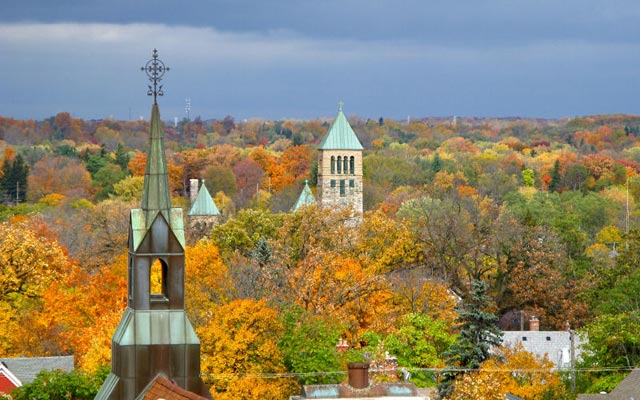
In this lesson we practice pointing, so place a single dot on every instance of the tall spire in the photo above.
(156, 194)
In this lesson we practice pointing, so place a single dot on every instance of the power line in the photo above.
(276, 375)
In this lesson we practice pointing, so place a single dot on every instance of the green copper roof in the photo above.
(306, 197)
(156, 196)
(204, 204)
(340, 135)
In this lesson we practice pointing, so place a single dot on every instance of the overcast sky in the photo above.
(296, 59)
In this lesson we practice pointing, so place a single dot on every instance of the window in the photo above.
(352, 183)
(158, 280)
(339, 164)
(548, 338)
(346, 165)
(333, 183)
(524, 338)
(352, 165)
(343, 191)
(333, 164)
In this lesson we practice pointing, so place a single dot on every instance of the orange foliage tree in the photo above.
(85, 308)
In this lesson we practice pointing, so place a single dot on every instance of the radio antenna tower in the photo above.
(187, 107)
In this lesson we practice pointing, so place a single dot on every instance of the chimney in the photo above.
(534, 324)
(358, 375)
(193, 189)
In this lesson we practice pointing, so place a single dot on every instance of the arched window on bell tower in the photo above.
(352, 165)
(333, 164)
(339, 164)
(158, 281)
(345, 167)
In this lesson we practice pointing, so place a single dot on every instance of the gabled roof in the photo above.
(306, 197)
(26, 368)
(162, 388)
(8, 381)
(204, 204)
(340, 136)
(629, 388)
(140, 227)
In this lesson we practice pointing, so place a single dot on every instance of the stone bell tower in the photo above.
(154, 337)
(340, 166)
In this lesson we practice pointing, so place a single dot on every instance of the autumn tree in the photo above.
(85, 307)
(512, 371)
(456, 236)
(59, 175)
(30, 262)
(208, 284)
(240, 345)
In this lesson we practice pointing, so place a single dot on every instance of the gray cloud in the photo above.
(92, 69)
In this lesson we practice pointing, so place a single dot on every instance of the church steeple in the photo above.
(156, 194)
(154, 338)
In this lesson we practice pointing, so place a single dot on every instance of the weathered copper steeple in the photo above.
(156, 194)
(154, 337)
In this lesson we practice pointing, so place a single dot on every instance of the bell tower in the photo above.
(155, 337)
(340, 166)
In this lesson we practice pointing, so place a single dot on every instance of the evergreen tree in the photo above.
(478, 334)
(13, 183)
(436, 166)
(554, 185)
(122, 157)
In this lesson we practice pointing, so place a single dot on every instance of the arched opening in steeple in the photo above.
(333, 164)
(352, 165)
(158, 280)
(345, 168)
(339, 164)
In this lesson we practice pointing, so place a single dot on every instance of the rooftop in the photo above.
(340, 135)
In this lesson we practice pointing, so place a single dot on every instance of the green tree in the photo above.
(478, 334)
(122, 157)
(420, 343)
(556, 178)
(528, 177)
(308, 344)
(74, 385)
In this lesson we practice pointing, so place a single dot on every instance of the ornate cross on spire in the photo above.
(155, 70)
(340, 104)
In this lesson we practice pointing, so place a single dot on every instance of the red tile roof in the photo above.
(163, 388)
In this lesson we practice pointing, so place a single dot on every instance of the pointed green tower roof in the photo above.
(156, 194)
(340, 135)
(204, 204)
(306, 197)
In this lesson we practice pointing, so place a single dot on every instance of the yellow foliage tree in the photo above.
(514, 371)
(208, 284)
(239, 346)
